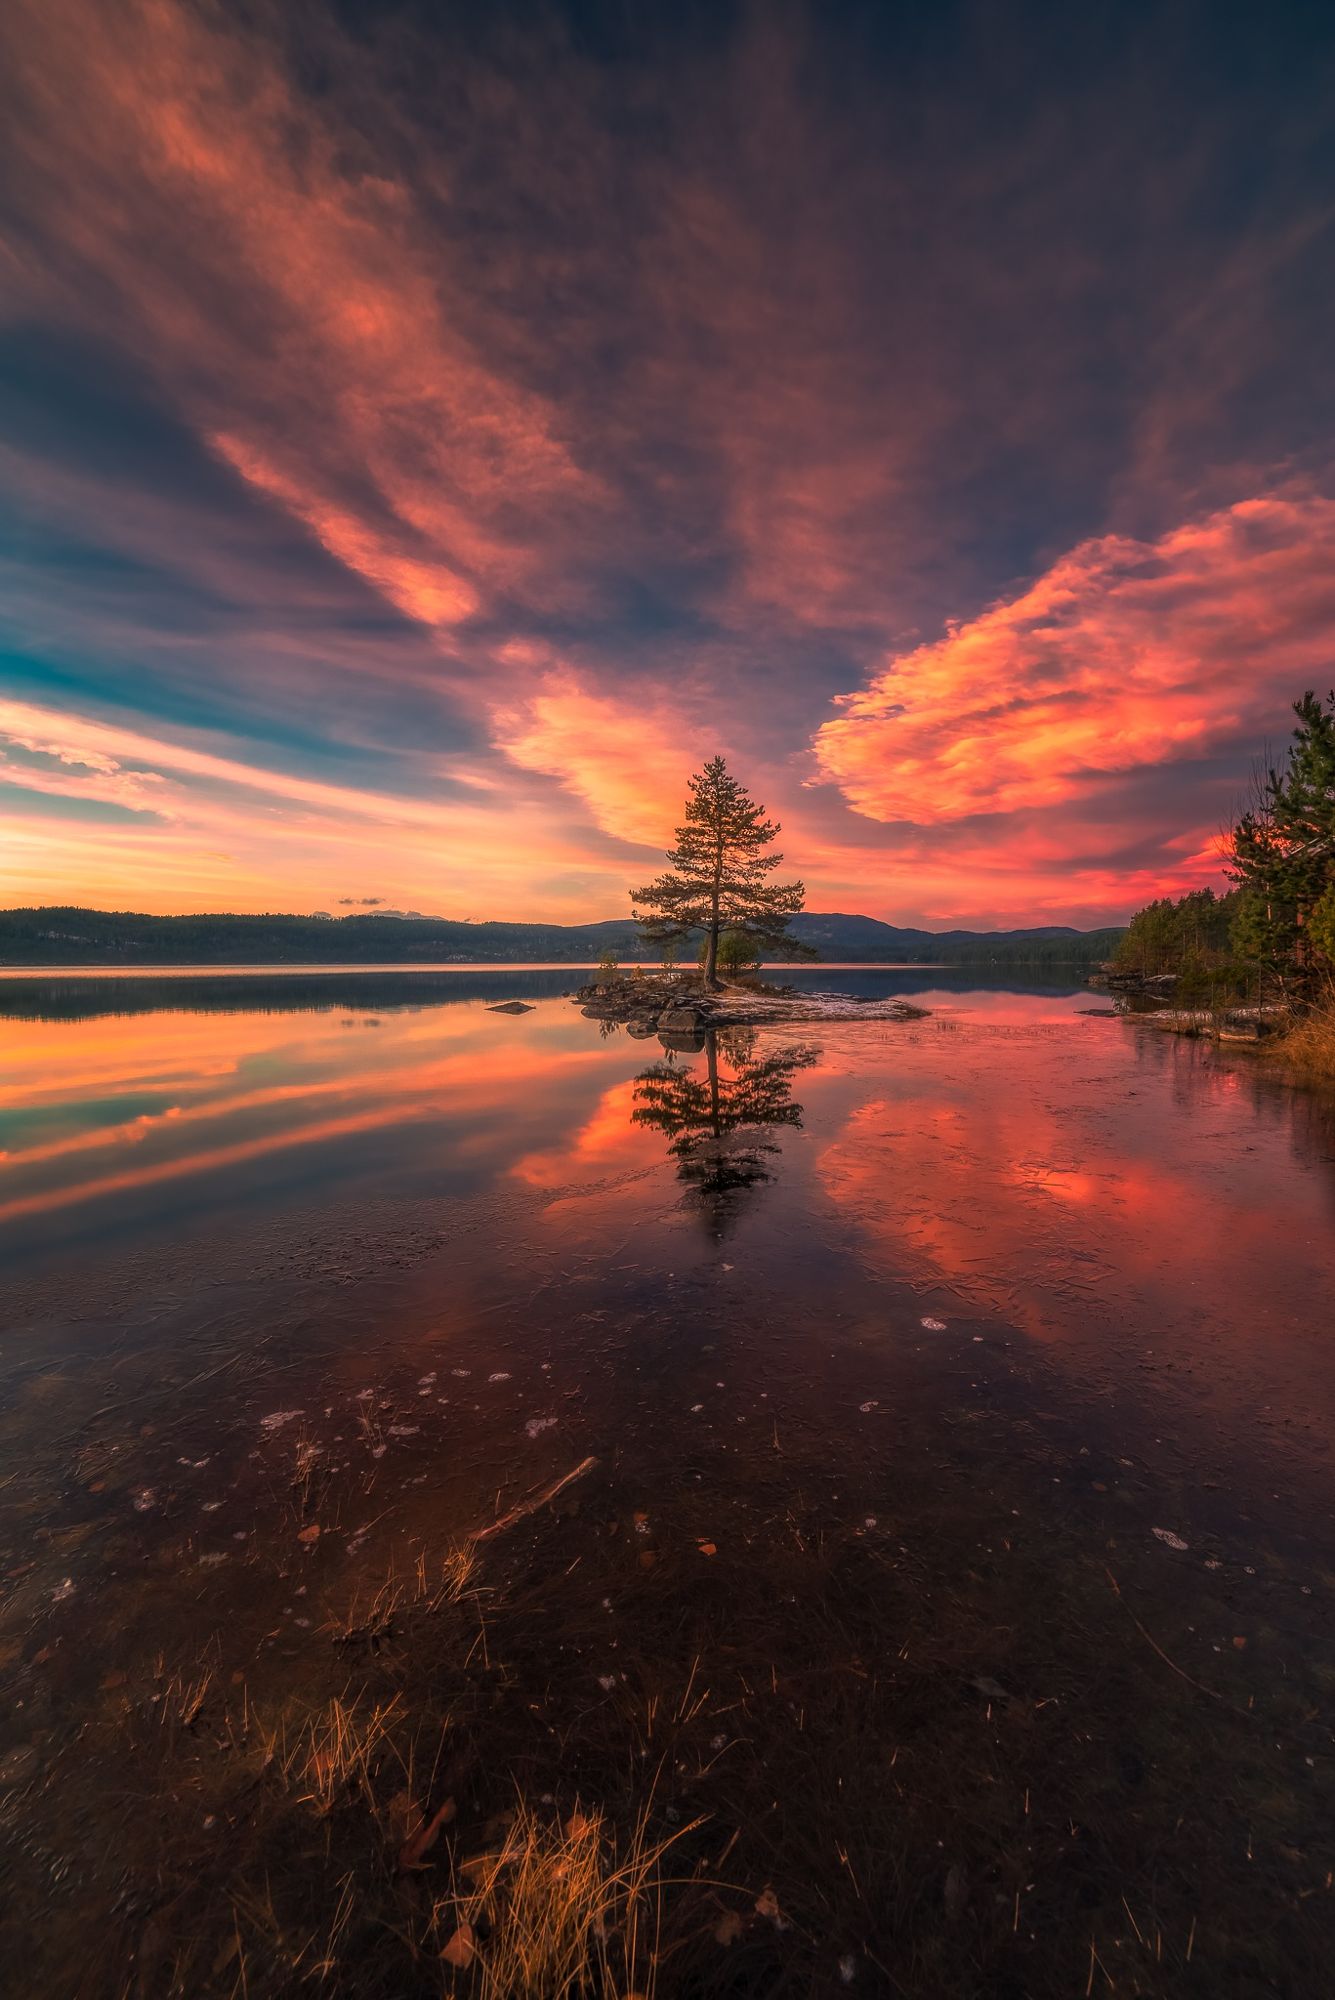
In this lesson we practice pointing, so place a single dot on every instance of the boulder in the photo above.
(681, 1020)
(683, 1041)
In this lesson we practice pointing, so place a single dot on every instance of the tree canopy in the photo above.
(718, 878)
(1184, 935)
(736, 953)
(1282, 854)
(1279, 919)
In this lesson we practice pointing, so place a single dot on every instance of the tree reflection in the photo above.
(717, 1116)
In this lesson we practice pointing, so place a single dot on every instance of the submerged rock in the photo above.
(511, 1007)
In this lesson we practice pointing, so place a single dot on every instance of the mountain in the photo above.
(867, 938)
(53, 937)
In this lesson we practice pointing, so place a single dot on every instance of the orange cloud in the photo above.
(628, 761)
(714, 411)
(1124, 654)
(428, 591)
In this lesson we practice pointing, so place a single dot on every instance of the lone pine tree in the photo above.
(718, 879)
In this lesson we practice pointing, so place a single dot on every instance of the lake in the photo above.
(873, 1479)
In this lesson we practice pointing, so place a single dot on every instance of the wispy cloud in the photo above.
(282, 837)
(295, 300)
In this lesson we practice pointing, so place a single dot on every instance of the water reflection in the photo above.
(1072, 1175)
(27, 995)
(1007, 1295)
(717, 1118)
(116, 1122)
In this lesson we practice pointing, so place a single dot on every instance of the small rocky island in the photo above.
(719, 890)
(667, 1004)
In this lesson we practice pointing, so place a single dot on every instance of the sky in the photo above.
(430, 431)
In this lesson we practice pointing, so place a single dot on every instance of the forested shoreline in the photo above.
(1270, 939)
(63, 937)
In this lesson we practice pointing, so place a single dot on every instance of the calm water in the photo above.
(895, 1345)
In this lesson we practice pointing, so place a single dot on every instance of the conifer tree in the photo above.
(719, 876)
(1282, 851)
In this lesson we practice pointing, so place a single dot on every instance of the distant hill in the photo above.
(863, 939)
(53, 937)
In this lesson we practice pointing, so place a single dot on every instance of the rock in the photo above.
(1154, 985)
(681, 1021)
(685, 1041)
(511, 1007)
(1244, 1028)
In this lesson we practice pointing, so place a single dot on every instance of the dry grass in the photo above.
(553, 1909)
(369, 1619)
(307, 1453)
(312, 1957)
(1309, 1045)
(178, 1697)
(372, 1430)
(334, 1754)
(452, 1580)
(181, 1697)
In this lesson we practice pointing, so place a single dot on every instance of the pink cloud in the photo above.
(292, 296)
(429, 591)
(1124, 654)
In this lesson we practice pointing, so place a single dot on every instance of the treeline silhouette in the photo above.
(61, 936)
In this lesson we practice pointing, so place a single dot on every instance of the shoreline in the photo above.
(1297, 1049)
(248, 969)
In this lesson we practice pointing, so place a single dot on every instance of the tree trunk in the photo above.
(711, 943)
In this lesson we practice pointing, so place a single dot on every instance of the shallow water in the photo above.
(896, 1346)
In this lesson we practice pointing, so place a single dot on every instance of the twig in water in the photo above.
(531, 1506)
(1150, 1640)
